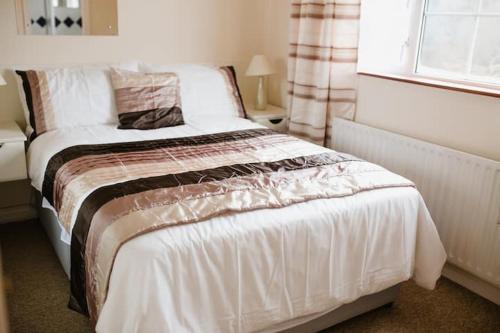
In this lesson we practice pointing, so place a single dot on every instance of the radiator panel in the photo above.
(462, 191)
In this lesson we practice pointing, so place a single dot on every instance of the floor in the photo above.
(37, 295)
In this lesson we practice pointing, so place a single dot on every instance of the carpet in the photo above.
(37, 296)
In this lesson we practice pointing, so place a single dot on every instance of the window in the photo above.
(460, 39)
(451, 41)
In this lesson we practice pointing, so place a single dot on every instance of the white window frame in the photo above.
(415, 45)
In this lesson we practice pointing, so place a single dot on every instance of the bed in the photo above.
(320, 254)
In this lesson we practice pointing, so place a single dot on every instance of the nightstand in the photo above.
(273, 117)
(12, 155)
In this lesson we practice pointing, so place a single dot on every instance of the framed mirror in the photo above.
(67, 17)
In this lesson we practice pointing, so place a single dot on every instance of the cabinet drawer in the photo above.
(278, 124)
(12, 161)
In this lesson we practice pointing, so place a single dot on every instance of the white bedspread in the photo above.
(247, 272)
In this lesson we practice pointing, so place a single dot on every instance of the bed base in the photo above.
(345, 312)
(308, 324)
(49, 222)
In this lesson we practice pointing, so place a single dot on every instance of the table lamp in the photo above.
(261, 67)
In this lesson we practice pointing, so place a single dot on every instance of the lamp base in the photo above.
(261, 100)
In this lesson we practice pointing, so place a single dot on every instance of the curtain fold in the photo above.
(322, 66)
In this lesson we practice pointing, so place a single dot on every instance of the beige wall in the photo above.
(462, 121)
(274, 44)
(162, 31)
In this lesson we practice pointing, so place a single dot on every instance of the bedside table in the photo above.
(12, 155)
(273, 117)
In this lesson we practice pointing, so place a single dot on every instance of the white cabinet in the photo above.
(273, 117)
(12, 154)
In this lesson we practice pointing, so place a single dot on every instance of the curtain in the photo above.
(322, 66)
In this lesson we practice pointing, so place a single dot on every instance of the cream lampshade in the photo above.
(261, 67)
(2, 81)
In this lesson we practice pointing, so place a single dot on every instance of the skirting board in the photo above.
(17, 213)
(49, 222)
(473, 283)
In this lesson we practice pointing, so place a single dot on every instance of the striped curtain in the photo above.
(322, 66)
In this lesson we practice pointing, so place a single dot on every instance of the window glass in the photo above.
(461, 41)
(446, 43)
(486, 59)
(491, 6)
(452, 5)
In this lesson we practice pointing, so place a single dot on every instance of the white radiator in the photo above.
(462, 191)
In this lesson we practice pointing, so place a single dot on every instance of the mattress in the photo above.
(250, 271)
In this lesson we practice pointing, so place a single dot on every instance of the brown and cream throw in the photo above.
(147, 100)
(112, 193)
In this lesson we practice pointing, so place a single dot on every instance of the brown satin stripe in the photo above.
(107, 193)
(151, 119)
(85, 163)
(112, 175)
(78, 166)
(74, 152)
(115, 209)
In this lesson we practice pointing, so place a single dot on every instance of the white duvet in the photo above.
(254, 271)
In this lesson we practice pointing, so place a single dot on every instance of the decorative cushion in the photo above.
(54, 98)
(206, 90)
(147, 100)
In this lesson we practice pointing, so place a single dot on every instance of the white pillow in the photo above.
(206, 90)
(74, 96)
